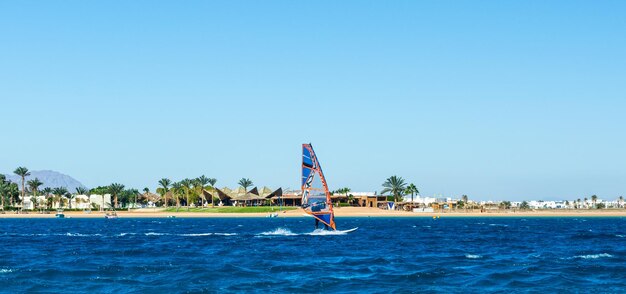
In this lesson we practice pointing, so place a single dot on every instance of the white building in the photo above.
(78, 201)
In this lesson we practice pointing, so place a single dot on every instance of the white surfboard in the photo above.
(348, 231)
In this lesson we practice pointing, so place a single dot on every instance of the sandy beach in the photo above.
(339, 212)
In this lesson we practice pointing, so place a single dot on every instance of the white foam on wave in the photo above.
(225, 234)
(473, 256)
(195, 235)
(279, 232)
(620, 236)
(594, 256)
(80, 235)
(5, 270)
(124, 234)
(155, 234)
(499, 225)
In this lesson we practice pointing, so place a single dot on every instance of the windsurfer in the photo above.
(317, 224)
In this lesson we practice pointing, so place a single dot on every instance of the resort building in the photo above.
(77, 201)
(241, 197)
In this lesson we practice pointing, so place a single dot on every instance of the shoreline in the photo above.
(339, 213)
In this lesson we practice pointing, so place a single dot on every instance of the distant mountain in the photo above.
(49, 178)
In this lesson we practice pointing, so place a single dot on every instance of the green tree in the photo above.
(594, 198)
(245, 183)
(59, 193)
(412, 189)
(524, 205)
(505, 205)
(115, 190)
(23, 173)
(34, 185)
(177, 189)
(186, 185)
(47, 192)
(212, 182)
(200, 184)
(84, 191)
(8, 191)
(465, 200)
(395, 186)
(165, 187)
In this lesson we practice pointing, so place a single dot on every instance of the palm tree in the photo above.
(621, 201)
(245, 183)
(4, 189)
(411, 189)
(115, 189)
(585, 203)
(200, 184)
(22, 172)
(46, 192)
(83, 191)
(59, 192)
(465, 200)
(69, 196)
(165, 184)
(177, 187)
(578, 200)
(212, 182)
(394, 185)
(34, 187)
(186, 185)
(594, 198)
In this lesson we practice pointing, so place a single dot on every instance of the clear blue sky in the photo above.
(494, 99)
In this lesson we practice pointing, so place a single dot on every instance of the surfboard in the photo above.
(348, 231)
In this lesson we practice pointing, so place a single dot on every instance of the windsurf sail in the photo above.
(316, 199)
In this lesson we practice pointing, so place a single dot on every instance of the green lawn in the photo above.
(231, 209)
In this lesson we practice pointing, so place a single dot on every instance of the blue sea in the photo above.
(268, 255)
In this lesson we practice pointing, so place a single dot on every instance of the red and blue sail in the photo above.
(316, 199)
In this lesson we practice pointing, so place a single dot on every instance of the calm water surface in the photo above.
(282, 255)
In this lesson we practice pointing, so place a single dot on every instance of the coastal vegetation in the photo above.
(236, 209)
(200, 195)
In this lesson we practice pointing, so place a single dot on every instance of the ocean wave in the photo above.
(473, 256)
(80, 235)
(5, 271)
(498, 225)
(593, 256)
(279, 232)
(125, 234)
(155, 234)
(620, 236)
(195, 235)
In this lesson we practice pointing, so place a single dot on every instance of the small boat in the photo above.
(111, 215)
(171, 216)
(273, 215)
(59, 213)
